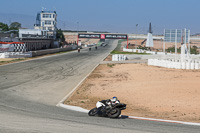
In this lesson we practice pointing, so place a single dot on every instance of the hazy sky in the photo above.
(110, 15)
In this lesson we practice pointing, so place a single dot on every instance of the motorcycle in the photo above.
(108, 111)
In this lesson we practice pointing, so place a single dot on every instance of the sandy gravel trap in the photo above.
(148, 91)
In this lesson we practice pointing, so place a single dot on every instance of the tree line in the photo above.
(13, 27)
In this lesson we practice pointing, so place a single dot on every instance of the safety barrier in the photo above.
(145, 51)
(35, 53)
(176, 64)
(119, 57)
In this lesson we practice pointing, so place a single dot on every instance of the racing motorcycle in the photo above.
(111, 111)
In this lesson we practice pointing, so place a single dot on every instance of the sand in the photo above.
(148, 91)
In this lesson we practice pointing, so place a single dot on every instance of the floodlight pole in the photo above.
(164, 42)
(185, 41)
(164, 46)
(189, 40)
(136, 37)
(127, 42)
(176, 42)
(77, 33)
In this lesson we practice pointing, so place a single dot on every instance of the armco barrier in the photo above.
(51, 51)
(2, 55)
(35, 53)
(16, 55)
(44, 52)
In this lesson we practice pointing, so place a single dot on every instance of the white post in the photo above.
(192, 65)
(183, 52)
(196, 65)
(164, 46)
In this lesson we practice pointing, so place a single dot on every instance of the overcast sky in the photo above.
(109, 15)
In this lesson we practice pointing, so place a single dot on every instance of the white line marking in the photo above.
(74, 108)
(162, 120)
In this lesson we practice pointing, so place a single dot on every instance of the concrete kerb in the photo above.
(162, 120)
(74, 108)
(79, 109)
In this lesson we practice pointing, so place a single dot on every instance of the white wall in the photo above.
(29, 31)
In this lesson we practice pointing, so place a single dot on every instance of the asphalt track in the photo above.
(30, 90)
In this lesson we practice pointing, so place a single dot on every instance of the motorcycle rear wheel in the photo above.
(92, 112)
(114, 113)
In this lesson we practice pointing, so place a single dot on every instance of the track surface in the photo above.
(29, 92)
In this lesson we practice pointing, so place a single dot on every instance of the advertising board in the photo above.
(103, 36)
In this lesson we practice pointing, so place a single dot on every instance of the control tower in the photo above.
(47, 21)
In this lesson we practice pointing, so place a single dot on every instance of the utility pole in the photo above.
(77, 32)
(64, 25)
(77, 26)
(188, 41)
(176, 41)
(136, 36)
(164, 42)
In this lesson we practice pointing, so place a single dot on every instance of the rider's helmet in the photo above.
(114, 99)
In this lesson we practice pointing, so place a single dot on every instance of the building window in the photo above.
(46, 16)
(47, 22)
(50, 28)
(42, 23)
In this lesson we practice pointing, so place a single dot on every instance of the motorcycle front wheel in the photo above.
(92, 112)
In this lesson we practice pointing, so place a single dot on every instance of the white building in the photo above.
(24, 33)
(47, 21)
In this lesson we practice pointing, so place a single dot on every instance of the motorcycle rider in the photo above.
(106, 104)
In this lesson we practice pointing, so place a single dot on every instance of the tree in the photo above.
(60, 35)
(15, 26)
(193, 50)
(4, 27)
